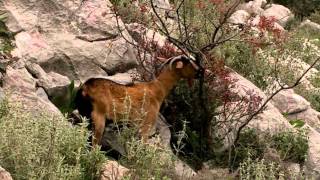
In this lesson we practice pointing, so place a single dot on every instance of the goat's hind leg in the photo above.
(99, 122)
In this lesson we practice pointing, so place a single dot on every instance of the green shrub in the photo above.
(259, 169)
(5, 36)
(45, 147)
(315, 17)
(292, 146)
(249, 145)
(241, 57)
(147, 161)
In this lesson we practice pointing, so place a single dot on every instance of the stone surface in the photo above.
(239, 17)
(112, 170)
(270, 120)
(289, 102)
(21, 88)
(73, 38)
(253, 7)
(280, 13)
(313, 158)
(141, 34)
(4, 175)
(309, 24)
(310, 116)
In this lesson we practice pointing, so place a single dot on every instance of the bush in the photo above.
(259, 169)
(241, 57)
(292, 146)
(315, 17)
(45, 147)
(147, 161)
(5, 36)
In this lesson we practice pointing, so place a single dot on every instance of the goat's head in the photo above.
(185, 66)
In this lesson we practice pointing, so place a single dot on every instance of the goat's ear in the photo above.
(179, 65)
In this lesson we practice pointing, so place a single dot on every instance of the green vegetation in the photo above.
(147, 161)
(5, 36)
(292, 146)
(260, 169)
(45, 147)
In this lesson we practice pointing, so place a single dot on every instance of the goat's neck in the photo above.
(166, 80)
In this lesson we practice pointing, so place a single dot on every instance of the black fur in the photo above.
(84, 106)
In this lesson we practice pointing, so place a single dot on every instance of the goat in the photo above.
(99, 99)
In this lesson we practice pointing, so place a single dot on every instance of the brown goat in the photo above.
(101, 99)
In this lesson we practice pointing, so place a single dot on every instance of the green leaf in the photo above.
(297, 123)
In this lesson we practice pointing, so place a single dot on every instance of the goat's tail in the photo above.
(83, 103)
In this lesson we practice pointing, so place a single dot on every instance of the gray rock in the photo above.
(42, 94)
(112, 170)
(289, 102)
(73, 38)
(21, 89)
(4, 175)
(270, 120)
(280, 13)
(313, 158)
(239, 17)
(310, 24)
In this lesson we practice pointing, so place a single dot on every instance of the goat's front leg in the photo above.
(99, 122)
(147, 125)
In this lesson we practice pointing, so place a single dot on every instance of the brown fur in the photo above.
(110, 100)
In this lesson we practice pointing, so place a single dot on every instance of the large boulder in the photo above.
(72, 38)
(239, 17)
(309, 24)
(281, 14)
(253, 7)
(289, 102)
(313, 157)
(21, 89)
(236, 113)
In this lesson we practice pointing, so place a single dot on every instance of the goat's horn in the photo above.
(173, 60)
(162, 59)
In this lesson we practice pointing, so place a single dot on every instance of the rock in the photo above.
(141, 34)
(120, 78)
(280, 13)
(313, 158)
(47, 80)
(310, 116)
(253, 7)
(292, 169)
(112, 170)
(289, 102)
(73, 38)
(239, 17)
(309, 24)
(42, 94)
(216, 173)
(4, 175)
(270, 120)
(183, 171)
(21, 88)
